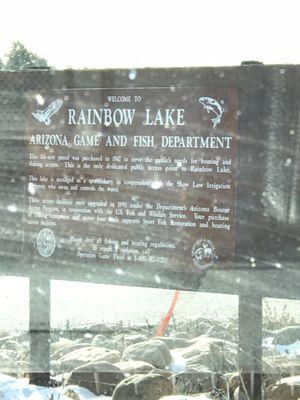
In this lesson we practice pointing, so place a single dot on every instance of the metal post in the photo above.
(39, 327)
(250, 346)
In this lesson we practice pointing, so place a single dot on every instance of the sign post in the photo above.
(250, 346)
(39, 329)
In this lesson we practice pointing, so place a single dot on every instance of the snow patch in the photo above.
(290, 349)
(20, 389)
(285, 349)
(178, 363)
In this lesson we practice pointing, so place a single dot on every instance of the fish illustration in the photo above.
(45, 115)
(209, 104)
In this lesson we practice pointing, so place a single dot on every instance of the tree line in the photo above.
(19, 58)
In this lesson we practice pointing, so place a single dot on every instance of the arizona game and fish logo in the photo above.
(46, 114)
(204, 253)
(211, 105)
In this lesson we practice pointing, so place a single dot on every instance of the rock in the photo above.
(100, 328)
(86, 339)
(110, 344)
(164, 372)
(11, 345)
(6, 339)
(71, 394)
(100, 378)
(203, 396)
(8, 365)
(132, 339)
(287, 335)
(68, 349)
(119, 338)
(147, 387)
(195, 381)
(98, 340)
(154, 352)
(219, 332)
(174, 342)
(24, 336)
(215, 354)
(4, 333)
(60, 344)
(86, 355)
(285, 389)
(281, 366)
(268, 333)
(231, 326)
(134, 367)
(179, 397)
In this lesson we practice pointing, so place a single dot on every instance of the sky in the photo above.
(153, 33)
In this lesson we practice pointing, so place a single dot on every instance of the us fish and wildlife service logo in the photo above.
(204, 253)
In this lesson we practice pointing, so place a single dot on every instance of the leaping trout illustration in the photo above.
(209, 104)
(45, 115)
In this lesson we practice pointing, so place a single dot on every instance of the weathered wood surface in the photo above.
(268, 199)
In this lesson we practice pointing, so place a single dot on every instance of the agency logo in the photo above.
(204, 253)
(211, 105)
(46, 242)
(44, 116)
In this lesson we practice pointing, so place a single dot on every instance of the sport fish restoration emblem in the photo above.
(45, 115)
(209, 104)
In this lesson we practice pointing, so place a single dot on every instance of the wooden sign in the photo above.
(153, 178)
(139, 177)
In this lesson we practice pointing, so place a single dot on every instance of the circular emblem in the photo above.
(46, 242)
(204, 253)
